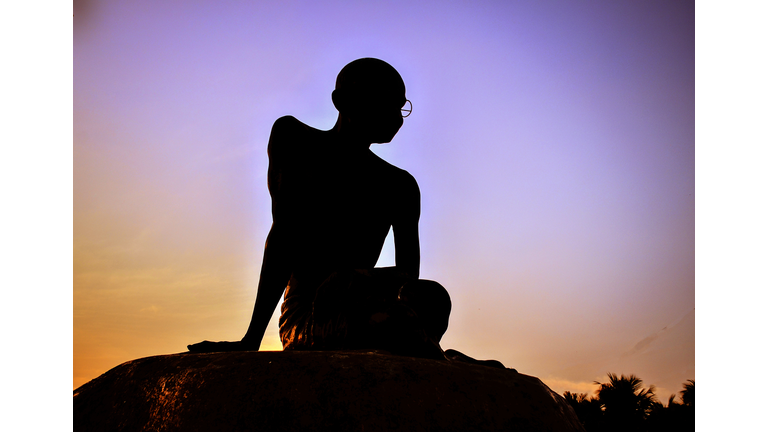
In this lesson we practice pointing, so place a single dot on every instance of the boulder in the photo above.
(315, 391)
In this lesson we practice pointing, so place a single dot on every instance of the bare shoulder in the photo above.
(407, 183)
(287, 124)
(408, 196)
(398, 177)
(287, 134)
(403, 186)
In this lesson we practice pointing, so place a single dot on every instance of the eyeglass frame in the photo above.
(405, 112)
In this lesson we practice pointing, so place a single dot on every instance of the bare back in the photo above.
(336, 205)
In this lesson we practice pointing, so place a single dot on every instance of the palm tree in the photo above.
(687, 393)
(625, 402)
(588, 410)
(675, 417)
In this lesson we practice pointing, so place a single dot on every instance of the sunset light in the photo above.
(553, 144)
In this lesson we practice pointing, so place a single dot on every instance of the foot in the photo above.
(453, 355)
(208, 347)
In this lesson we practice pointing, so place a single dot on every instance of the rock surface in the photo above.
(314, 391)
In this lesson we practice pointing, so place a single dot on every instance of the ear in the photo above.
(338, 100)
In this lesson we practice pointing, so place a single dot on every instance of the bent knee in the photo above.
(426, 293)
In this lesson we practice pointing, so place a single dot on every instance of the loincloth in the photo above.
(354, 309)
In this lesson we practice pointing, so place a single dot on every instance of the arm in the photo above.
(276, 264)
(275, 273)
(405, 227)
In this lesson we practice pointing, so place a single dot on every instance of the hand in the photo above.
(226, 346)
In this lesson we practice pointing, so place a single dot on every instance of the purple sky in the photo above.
(553, 143)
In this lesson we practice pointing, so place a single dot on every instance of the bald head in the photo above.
(369, 74)
(369, 94)
(370, 81)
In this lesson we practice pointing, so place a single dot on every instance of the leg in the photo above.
(360, 309)
(431, 303)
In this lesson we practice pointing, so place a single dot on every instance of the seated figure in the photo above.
(333, 203)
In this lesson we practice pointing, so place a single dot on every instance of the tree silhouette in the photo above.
(625, 402)
(622, 404)
(675, 417)
(687, 393)
(588, 410)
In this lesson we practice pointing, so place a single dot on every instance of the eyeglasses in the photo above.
(405, 112)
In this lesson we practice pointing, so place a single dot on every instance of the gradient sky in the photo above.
(553, 143)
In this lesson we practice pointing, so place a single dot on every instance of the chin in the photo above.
(386, 137)
(383, 140)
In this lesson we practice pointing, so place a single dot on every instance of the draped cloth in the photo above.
(365, 309)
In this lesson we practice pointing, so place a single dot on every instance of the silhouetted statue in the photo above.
(333, 203)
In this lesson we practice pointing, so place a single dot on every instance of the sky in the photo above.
(553, 143)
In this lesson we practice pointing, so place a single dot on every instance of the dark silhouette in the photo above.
(622, 404)
(588, 410)
(675, 417)
(626, 403)
(333, 203)
(315, 391)
(687, 394)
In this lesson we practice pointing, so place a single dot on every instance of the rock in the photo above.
(314, 391)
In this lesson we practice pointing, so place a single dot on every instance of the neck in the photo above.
(348, 137)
